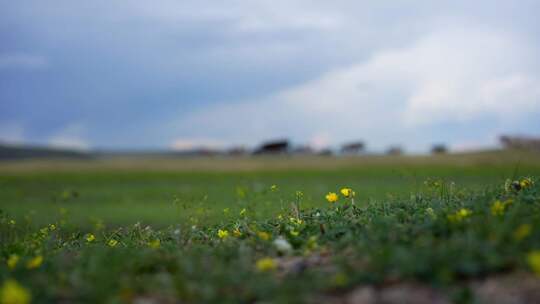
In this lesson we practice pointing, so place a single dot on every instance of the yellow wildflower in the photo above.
(52, 227)
(526, 182)
(280, 217)
(112, 243)
(522, 231)
(90, 238)
(266, 264)
(237, 232)
(497, 208)
(347, 192)
(332, 197)
(461, 214)
(12, 261)
(223, 234)
(533, 258)
(265, 236)
(155, 244)
(13, 293)
(296, 221)
(273, 188)
(35, 262)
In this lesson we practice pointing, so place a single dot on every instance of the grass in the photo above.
(400, 229)
(164, 192)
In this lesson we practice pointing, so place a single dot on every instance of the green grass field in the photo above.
(166, 192)
(214, 230)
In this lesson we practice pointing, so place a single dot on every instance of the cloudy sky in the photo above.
(161, 74)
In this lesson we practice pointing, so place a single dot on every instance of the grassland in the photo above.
(155, 227)
(167, 191)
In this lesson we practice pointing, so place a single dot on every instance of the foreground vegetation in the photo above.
(439, 244)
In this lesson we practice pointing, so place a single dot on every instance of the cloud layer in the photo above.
(446, 77)
(191, 73)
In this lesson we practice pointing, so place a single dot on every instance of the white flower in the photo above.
(282, 245)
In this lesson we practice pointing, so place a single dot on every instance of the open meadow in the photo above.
(401, 229)
(167, 191)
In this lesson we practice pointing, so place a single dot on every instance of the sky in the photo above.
(168, 74)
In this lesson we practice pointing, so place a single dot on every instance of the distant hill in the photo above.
(10, 152)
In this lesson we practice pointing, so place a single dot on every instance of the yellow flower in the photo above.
(112, 243)
(35, 262)
(526, 182)
(274, 188)
(155, 244)
(265, 236)
(13, 293)
(280, 217)
(12, 261)
(296, 221)
(497, 208)
(223, 234)
(52, 227)
(347, 192)
(237, 232)
(522, 231)
(243, 212)
(533, 258)
(332, 197)
(90, 238)
(461, 214)
(517, 185)
(266, 264)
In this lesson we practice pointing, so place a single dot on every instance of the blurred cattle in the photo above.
(353, 148)
(273, 147)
